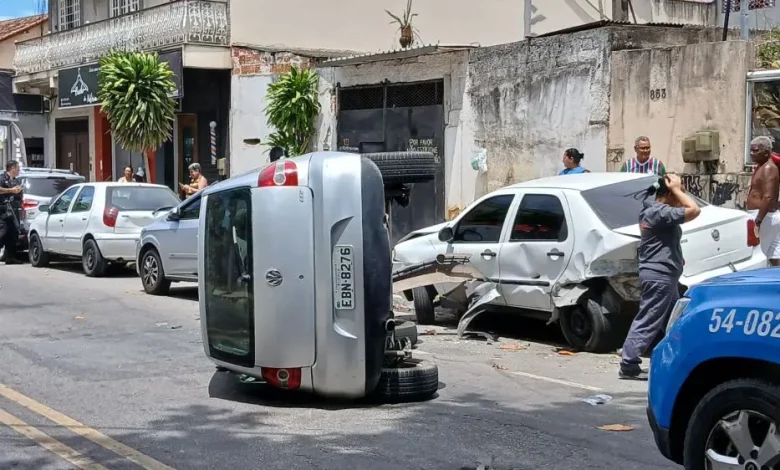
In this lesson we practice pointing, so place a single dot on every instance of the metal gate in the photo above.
(397, 118)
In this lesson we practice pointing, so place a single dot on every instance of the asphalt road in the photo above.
(96, 374)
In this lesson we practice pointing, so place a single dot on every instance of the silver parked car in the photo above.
(295, 280)
(168, 248)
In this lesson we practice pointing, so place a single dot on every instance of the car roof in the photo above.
(48, 172)
(581, 181)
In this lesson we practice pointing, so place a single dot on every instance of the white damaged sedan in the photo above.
(564, 249)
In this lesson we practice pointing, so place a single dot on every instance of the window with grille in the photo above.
(69, 14)
(122, 7)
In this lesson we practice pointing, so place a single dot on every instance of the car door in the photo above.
(53, 239)
(77, 219)
(478, 233)
(537, 250)
(183, 249)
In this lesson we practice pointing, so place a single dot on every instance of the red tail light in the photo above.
(281, 173)
(110, 215)
(288, 379)
(752, 233)
(29, 204)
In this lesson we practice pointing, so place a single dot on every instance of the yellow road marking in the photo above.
(49, 443)
(84, 431)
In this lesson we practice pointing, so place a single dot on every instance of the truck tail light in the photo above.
(280, 173)
(287, 379)
(752, 233)
(110, 215)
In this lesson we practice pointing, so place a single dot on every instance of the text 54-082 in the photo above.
(763, 323)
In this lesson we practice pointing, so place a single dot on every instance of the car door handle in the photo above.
(83, 218)
(554, 253)
(488, 254)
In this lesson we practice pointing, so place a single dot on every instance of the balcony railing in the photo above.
(180, 22)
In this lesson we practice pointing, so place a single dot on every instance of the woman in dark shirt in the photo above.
(660, 267)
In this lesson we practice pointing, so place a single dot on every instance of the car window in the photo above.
(484, 222)
(191, 210)
(618, 205)
(84, 200)
(141, 198)
(62, 204)
(49, 186)
(539, 217)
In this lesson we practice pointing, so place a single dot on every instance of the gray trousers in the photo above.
(659, 294)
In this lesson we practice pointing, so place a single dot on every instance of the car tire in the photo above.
(404, 167)
(152, 274)
(424, 310)
(406, 329)
(725, 401)
(586, 327)
(411, 379)
(38, 256)
(92, 260)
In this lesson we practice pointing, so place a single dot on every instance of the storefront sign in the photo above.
(78, 86)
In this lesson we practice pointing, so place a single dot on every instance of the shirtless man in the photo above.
(762, 198)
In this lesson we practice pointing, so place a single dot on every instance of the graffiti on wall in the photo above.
(693, 184)
(716, 190)
(722, 192)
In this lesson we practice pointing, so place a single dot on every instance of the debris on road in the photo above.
(616, 427)
(500, 366)
(79, 317)
(429, 333)
(161, 324)
(512, 347)
(175, 327)
(596, 400)
(565, 352)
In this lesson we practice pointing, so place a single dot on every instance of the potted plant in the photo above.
(404, 25)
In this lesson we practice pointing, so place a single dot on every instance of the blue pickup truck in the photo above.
(714, 392)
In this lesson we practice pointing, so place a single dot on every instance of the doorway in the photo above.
(188, 144)
(72, 141)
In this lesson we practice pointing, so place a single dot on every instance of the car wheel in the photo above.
(586, 328)
(92, 260)
(736, 425)
(411, 379)
(38, 257)
(404, 167)
(423, 304)
(153, 275)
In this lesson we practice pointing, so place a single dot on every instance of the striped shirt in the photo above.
(652, 165)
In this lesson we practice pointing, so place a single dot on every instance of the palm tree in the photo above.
(134, 89)
(293, 106)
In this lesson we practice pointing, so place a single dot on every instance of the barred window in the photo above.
(122, 7)
(69, 14)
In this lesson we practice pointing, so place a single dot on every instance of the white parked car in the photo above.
(97, 222)
(565, 248)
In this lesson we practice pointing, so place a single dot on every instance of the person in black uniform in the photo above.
(10, 205)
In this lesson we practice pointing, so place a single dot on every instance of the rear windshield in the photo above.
(141, 198)
(48, 187)
(618, 205)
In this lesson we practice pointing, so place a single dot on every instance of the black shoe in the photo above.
(639, 374)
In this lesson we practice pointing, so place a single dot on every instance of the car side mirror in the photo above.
(446, 234)
(43, 208)
(174, 215)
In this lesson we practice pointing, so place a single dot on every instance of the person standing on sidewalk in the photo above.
(572, 160)
(762, 198)
(660, 267)
(643, 162)
(10, 206)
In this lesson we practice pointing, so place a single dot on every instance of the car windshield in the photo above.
(49, 186)
(141, 198)
(618, 205)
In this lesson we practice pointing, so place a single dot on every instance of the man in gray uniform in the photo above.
(660, 267)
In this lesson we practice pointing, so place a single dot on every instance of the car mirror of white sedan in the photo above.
(446, 234)
(174, 214)
(43, 208)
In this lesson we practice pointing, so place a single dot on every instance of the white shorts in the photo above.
(769, 233)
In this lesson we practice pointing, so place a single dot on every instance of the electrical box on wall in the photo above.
(703, 146)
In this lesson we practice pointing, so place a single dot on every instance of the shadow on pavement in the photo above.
(76, 268)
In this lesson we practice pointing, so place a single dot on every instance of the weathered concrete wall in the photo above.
(668, 94)
(534, 99)
(461, 181)
(253, 72)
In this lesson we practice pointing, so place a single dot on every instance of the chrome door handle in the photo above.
(83, 218)
(488, 254)
(554, 253)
